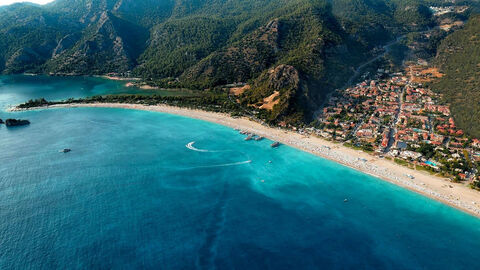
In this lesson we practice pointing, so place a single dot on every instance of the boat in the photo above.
(249, 137)
(275, 144)
(66, 150)
(259, 138)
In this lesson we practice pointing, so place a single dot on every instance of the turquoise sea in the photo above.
(134, 194)
(17, 89)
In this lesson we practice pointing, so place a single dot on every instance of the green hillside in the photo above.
(203, 44)
(459, 58)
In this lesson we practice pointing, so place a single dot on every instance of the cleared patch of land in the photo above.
(239, 90)
(270, 101)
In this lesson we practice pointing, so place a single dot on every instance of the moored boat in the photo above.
(275, 144)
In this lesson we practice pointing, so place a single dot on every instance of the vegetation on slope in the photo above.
(459, 59)
(204, 44)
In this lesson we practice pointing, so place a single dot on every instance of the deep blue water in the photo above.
(132, 195)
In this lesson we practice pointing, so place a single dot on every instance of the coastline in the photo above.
(117, 78)
(130, 82)
(440, 189)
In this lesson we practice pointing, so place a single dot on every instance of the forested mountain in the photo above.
(206, 43)
(459, 59)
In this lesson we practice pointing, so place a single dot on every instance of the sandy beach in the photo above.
(455, 194)
(117, 78)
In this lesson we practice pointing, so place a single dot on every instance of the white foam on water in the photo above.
(191, 147)
(223, 165)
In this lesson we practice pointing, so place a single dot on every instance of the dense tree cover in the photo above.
(177, 45)
(111, 45)
(459, 58)
(427, 150)
(210, 101)
(182, 32)
(28, 34)
(207, 43)
(412, 13)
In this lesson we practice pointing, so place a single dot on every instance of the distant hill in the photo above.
(206, 43)
(459, 59)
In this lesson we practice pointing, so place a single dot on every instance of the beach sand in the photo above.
(454, 194)
(117, 78)
(148, 87)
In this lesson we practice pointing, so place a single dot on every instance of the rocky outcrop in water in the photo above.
(16, 122)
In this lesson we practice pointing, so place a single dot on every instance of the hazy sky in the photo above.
(8, 2)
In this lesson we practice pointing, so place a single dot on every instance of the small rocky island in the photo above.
(16, 122)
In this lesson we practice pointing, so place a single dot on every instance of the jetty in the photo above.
(249, 137)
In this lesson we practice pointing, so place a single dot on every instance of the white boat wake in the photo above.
(223, 165)
(191, 147)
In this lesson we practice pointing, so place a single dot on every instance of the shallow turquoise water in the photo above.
(15, 89)
(132, 195)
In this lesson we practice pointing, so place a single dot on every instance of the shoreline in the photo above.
(440, 189)
(118, 78)
(130, 82)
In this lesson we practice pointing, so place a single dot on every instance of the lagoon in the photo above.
(15, 89)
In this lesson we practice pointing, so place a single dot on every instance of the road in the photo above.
(357, 71)
(393, 126)
(387, 47)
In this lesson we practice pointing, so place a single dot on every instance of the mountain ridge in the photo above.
(458, 58)
(205, 43)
